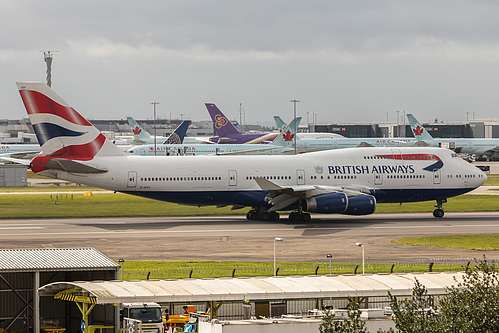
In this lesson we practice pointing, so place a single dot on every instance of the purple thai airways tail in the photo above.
(222, 125)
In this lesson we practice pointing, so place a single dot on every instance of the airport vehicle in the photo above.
(489, 148)
(217, 149)
(140, 136)
(148, 313)
(345, 181)
(228, 133)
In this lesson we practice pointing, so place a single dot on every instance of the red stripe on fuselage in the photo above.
(411, 157)
(37, 103)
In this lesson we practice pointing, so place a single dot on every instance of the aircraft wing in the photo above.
(226, 140)
(282, 197)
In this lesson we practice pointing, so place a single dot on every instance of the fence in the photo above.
(313, 268)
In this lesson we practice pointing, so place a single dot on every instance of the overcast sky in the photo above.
(347, 61)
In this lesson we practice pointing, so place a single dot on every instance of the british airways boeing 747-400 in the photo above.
(345, 181)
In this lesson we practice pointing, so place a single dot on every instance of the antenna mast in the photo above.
(47, 55)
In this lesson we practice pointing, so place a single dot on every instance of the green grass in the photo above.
(99, 205)
(463, 203)
(492, 180)
(138, 270)
(122, 205)
(485, 242)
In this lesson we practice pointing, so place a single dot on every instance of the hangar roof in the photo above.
(257, 288)
(51, 259)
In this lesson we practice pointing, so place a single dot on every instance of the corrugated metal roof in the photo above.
(259, 288)
(50, 259)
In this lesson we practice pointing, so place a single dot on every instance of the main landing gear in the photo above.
(439, 211)
(255, 214)
(299, 216)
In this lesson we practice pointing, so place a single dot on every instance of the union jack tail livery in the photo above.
(62, 133)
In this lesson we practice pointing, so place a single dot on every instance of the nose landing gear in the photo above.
(439, 211)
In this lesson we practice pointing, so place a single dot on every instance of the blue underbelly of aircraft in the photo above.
(256, 198)
(202, 198)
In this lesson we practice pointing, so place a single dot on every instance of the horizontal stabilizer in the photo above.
(72, 166)
(15, 160)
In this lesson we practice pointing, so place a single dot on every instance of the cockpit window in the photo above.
(454, 155)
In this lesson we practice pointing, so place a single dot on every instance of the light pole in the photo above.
(294, 101)
(277, 239)
(121, 261)
(329, 256)
(154, 124)
(362, 246)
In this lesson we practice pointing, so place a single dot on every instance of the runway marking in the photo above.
(17, 228)
(117, 232)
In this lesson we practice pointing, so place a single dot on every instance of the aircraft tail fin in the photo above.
(177, 137)
(138, 132)
(61, 131)
(223, 126)
(287, 136)
(279, 123)
(420, 133)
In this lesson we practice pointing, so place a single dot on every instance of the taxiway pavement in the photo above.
(229, 238)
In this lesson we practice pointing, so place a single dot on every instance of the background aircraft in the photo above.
(217, 149)
(316, 135)
(140, 136)
(347, 181)
(227, 133)
(19, 150)
(487, 148)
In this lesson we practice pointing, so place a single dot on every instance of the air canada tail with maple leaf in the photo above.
(287, 136)
(420, 133)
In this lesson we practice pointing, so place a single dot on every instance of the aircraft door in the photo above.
(142, 151)
(132, 179)
(232, 178)
(397, 156)
(300, 177)
(378, 178)
(436, 176)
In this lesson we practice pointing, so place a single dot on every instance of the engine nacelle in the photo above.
(329, 203)
(340, 203)
(361, 205)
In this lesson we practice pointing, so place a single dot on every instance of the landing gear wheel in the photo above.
(252, 215)
(305, 217)
(439, 213)
(294, 216)
(264, 216)
(274, 216)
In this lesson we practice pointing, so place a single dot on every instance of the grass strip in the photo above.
(481, 242)
(140, 270)
(66, 205)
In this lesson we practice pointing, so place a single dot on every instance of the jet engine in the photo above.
(340, 203)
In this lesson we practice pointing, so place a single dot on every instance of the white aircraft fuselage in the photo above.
(345, 181)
